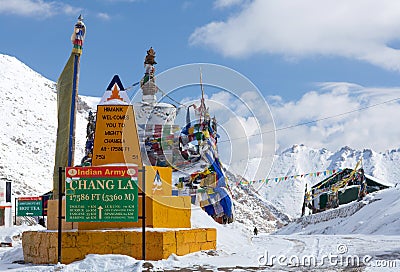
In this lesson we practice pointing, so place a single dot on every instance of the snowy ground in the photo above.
(245, 253)
(359, 236)
(239, 250)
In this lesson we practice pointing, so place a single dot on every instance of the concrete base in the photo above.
(40, 247)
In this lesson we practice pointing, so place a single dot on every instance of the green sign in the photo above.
(29, 206)
(94, 197)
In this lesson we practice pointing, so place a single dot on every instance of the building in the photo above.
(5, 204)
(343, 187)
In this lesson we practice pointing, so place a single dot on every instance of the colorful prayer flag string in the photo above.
(285, 178)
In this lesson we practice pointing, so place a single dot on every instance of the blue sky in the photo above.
(310, 57)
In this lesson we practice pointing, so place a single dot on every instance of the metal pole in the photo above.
(15, 211)
(143, 212)
(60, 170)
(71, 141)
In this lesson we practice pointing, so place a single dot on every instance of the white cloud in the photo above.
(358, 29)
(227, 3)
(241, 118)
(374, 126)
(103, 16)
(36, 8)
(348, 114)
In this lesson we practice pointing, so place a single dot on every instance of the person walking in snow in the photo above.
(255, 231)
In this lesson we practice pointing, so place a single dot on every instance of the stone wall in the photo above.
(40, 247)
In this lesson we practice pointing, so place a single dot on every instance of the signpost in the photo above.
(101, 194)
(107, 193)
(116, 136)
(30, 206)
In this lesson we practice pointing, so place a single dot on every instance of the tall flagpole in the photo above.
(77, 40)
(202, 108)
(72, 119)
(67, 97)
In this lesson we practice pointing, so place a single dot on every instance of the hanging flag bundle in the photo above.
(67, 97)
(198, 140)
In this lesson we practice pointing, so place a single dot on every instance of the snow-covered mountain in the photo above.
(287, 195)
(28, 115)
(27, 145)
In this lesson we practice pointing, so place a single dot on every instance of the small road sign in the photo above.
(29, 206)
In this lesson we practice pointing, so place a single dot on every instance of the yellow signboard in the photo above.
(158, 181)
(116, 140)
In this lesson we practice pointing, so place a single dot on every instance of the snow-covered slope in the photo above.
(28, 116)
(287, 195)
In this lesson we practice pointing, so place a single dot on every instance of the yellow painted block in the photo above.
(171, 212)
(133, 238)
(207, 246)
(180, 238)
(43, 253)
(201, 236)
(52, 255)
(98, 238)
(192, 236)
(33, 239)
(158, 181)
(100, 249)
(84, 239)
(123, 249)
(71, 254)
(182, 249)
(167, 250)
(136, 251)
(194, 247)
(115, 238)
(53, 239)
(29, 247)
(69, 239)
(153, 251)
(189, 236)
(153, 237)
(169, 237)
(211, 234)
